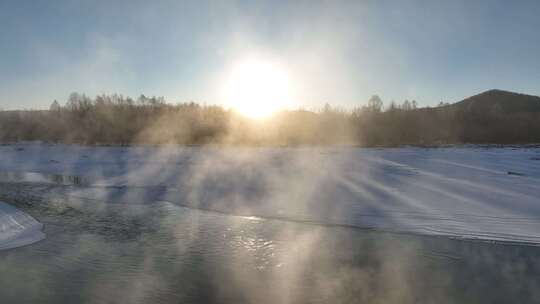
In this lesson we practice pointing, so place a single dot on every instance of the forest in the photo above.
(492, 117)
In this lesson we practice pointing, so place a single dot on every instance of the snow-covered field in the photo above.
(469, 192)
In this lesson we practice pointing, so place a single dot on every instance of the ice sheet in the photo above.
(17, 228)
(463, 192)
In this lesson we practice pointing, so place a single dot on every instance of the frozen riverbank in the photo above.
(471, 193)
(17, 228)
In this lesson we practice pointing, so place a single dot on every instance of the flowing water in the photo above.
(164, 253)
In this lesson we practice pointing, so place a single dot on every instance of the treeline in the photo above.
(118, 120)
(115, 119)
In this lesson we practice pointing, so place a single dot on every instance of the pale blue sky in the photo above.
(339, 52)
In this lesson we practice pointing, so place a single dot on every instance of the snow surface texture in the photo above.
(470, 192)
(17, 228)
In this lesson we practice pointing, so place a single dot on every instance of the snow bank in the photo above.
(17, 228)
(458, 192)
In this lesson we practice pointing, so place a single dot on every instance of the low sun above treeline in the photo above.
(493, 117)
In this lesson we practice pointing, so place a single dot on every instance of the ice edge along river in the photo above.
(473, 192)
(18, 228)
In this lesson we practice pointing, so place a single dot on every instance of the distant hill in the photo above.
(504, 101)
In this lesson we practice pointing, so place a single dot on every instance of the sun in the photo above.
(257, 89)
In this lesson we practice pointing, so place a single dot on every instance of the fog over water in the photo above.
(136, 225)
(163, 253)
(345, 151)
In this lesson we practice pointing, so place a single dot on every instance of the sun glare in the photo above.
(257, 89)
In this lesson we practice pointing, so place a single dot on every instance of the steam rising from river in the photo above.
(279, 234)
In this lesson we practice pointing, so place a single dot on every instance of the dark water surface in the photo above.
(163, 253)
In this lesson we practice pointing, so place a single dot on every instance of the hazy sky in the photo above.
(339, 52)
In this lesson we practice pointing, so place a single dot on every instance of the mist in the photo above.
(270, 224)
(269, 152)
